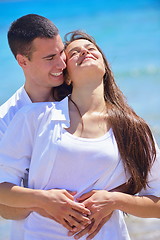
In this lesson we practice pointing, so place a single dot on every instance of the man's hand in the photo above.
(56, 204)
(60, 205)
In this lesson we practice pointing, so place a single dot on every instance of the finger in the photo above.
(76, 226)
(93, 234)
(96, 214)
(94, 226)
(72, 192)
(85, 196)
(71, 233)
(69, 195)
(83, 232)
(80, 208)
(80, 218)
(66, 224)
(75, 230)
(88, 203)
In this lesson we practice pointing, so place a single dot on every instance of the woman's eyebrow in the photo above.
(77, 48)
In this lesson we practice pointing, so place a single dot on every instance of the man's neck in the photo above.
(41, 95)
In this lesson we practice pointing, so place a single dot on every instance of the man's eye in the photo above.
(62, 52)
(49, 58)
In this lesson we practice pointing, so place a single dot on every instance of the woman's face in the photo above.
(83, 57)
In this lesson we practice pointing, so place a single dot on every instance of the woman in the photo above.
(90, 142)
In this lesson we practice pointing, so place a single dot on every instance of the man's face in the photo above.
(45, 69)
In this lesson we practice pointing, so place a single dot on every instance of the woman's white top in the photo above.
(37, 140)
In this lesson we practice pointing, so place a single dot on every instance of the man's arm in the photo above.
(57, 203)
(13, 213)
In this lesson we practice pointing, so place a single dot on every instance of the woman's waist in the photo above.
(43, 226)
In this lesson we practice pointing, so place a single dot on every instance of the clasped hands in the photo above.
(99, 204)
(86, 216)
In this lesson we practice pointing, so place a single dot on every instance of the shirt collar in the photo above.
(25, 94)
(61, 112)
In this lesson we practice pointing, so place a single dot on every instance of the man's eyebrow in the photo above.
(53, 55)
(49, 56)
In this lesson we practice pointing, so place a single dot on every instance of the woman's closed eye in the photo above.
(73, 53)
(92, 49)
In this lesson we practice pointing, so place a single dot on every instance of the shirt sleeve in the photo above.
(3, 127)
(16, 149)
(153, 187)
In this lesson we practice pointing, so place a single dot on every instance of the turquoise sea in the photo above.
(129, 34)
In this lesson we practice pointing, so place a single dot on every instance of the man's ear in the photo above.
(22, 60)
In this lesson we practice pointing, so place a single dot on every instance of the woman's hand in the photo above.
(101, 203)
(88, 228)
(121, 188)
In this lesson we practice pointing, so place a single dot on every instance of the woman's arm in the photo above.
(102, 203)
(141, 206)
(147, 206)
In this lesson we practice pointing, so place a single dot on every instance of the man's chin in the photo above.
(58, 82)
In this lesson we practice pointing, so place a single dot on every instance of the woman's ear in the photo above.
(67, 78)
(22, 60)
(68, 81)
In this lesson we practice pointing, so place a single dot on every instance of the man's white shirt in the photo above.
(7, 111)
(11, 107)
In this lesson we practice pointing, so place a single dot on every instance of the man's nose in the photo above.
(62, 62)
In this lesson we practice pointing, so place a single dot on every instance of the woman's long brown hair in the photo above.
(134, 138)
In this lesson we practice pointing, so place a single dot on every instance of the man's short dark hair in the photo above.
(25, 29)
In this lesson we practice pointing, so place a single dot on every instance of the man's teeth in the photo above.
(56, 74)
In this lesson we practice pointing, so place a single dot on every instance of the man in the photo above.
(39, 50)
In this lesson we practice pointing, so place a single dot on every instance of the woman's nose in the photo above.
(84, 51)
